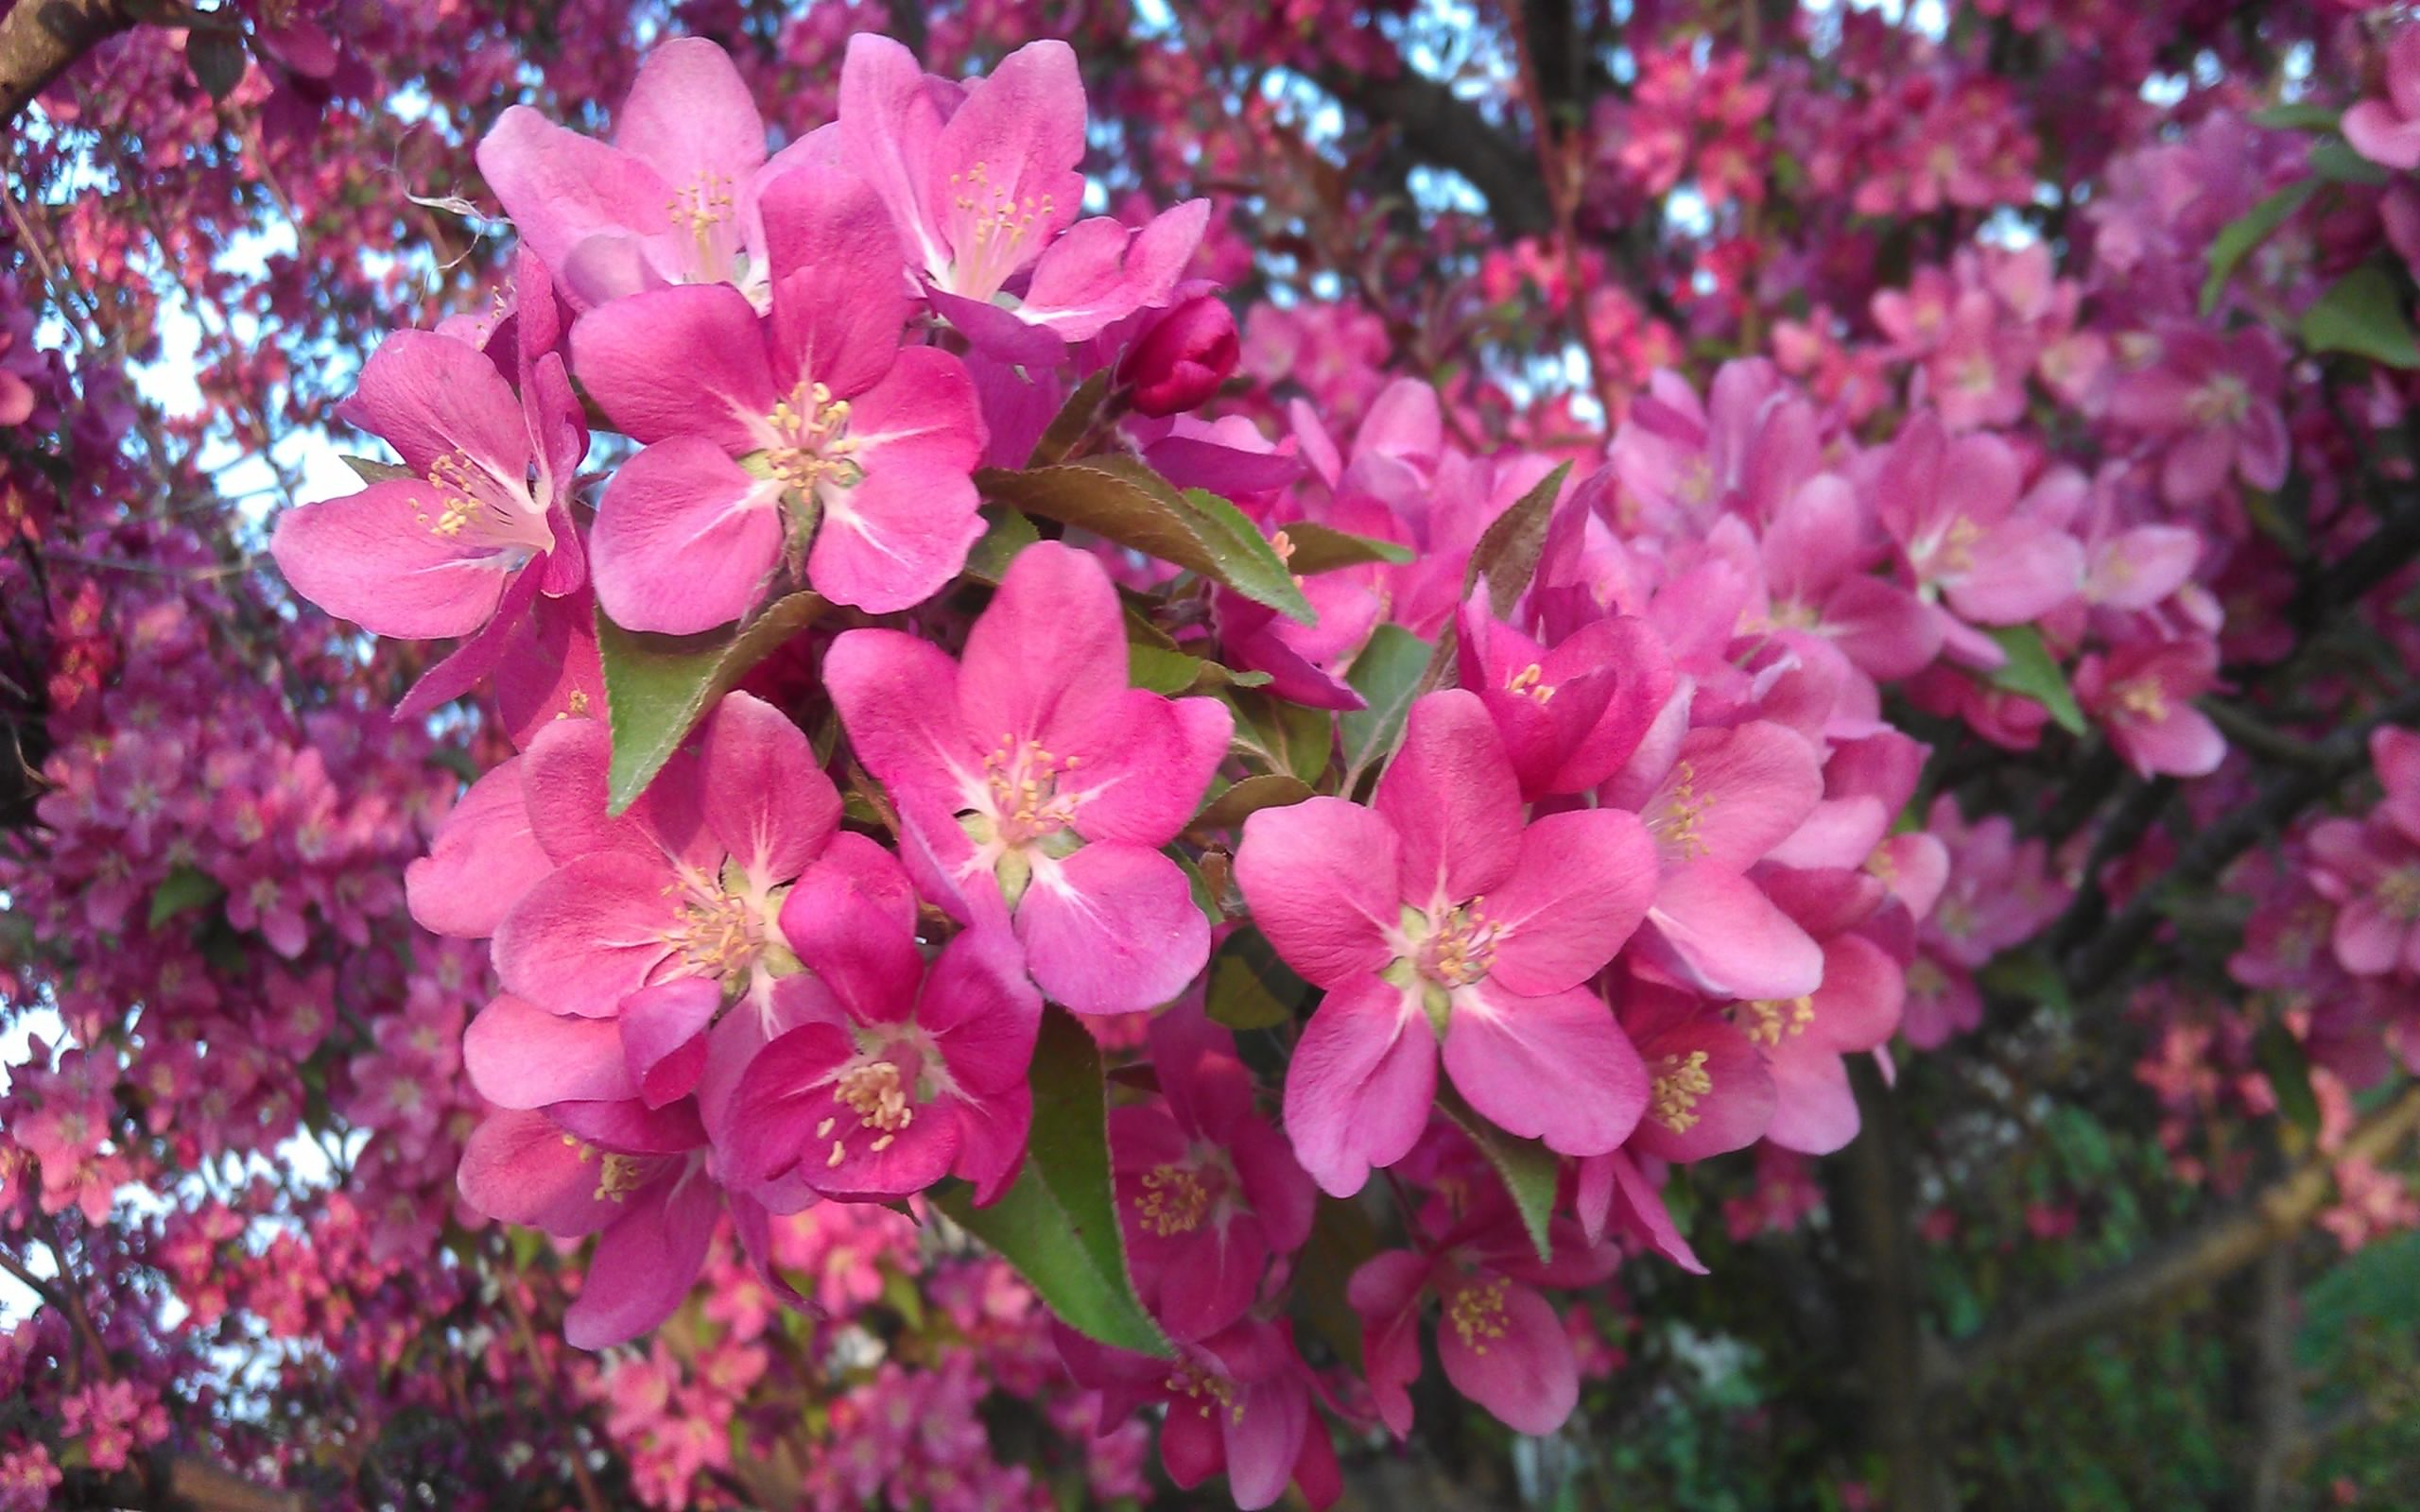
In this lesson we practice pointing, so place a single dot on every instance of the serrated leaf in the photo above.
(216, 59)
(1343, 1237)
(1263, 790)
(183, 890)
(1173, 673)
(1005, 533)
(1507, 553)
(1387, 674)
(2236, 240)
(1058, 1224)
(1120, 499)
(2362, 314)
(1320, 548)
(1529, 1169)
(657, 687)
(370, 471)
(1282, 736)
(2031, 671)
(1074, 419)
(1249, 987)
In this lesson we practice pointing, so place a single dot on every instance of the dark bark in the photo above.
(1872, 1191)
(41, 39)
(1445, 129)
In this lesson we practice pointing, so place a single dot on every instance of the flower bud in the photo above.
(1183, 358)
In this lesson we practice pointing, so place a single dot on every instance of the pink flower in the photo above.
(759, 431)
(2142, 694)
(1207, 1193)
(1500, 1341)
(684, 884)
(675, 199)
(1238, 1401)
(1435, 916)
(921, 1074)
(2215, 398)
(1029, 774)
(484, 527)
(2370, 869)
(2387, 131)
(1953, 508)
(1572, 716)
(981, 180)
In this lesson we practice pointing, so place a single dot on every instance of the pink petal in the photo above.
(1709, 1092)
(1555, 1067)
(889, 122)
(894, 540)
(1512, 1356)
(1112, 929)
(520, 1055)
(1582, 883)
(1100, 271)
(1358, 1089)
(482, 859)
(520, 1168)
(839, 302)
(687, 360)
(768, 803)
(644, 1265)
(690, 118)
(897, 698)
(1020, 132)
(372, 558)
(663, 1036)
(1724, 937)
(1453, 801)
(981, 1011)
(1732, 795)
(1047, 661)
(1320, 877)
(852, 918)
(562, 188)
(431, 396)
(590, 933)
(685, 540)
(1143, 771)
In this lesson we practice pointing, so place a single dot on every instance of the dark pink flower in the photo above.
(2142, 694)
(1183, 358)
(1029, 773)
(1436, 918)
(761, 430)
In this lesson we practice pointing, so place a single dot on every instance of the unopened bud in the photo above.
(1183, 358)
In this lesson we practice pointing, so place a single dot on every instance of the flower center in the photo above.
(989, 239)
(1771, 1022)
(1680, 1081)
(2223, 401)
(618, 1176)
(1208, 1393)
(2399, 893)
(875, 1090)
(1461, 947)
(475, 507)
(1677, 826)
(1530, 683)
(811, 442)
(2144, 699)
(1174, 1201)
(1476, 1310)
(1956, 552)
(719, 934)
(703, 208)
(1026, 804)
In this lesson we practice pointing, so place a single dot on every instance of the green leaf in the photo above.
(2032, 672)
(1241, 800)
(1057, 1225)
(1074, 419)
(1529, 1168)
(1120, 499)
(1282, 736)
(2028, 976)
(1343, 1237)
(1507, 553)
(2337, 162)
(1388, 675)
(1249, 987)
(180, 891)
(2298, 115)
(2239, 237)
(657, 687)
(2362, 314)
(2280, 1057)
(369, 471)
(1005, 533)
(1320, 548)
(1172, 671)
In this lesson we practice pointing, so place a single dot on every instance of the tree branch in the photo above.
(2195, 1257)
(1445, 130)
(41, 39)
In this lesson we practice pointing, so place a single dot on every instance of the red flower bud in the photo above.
(1183, 357)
